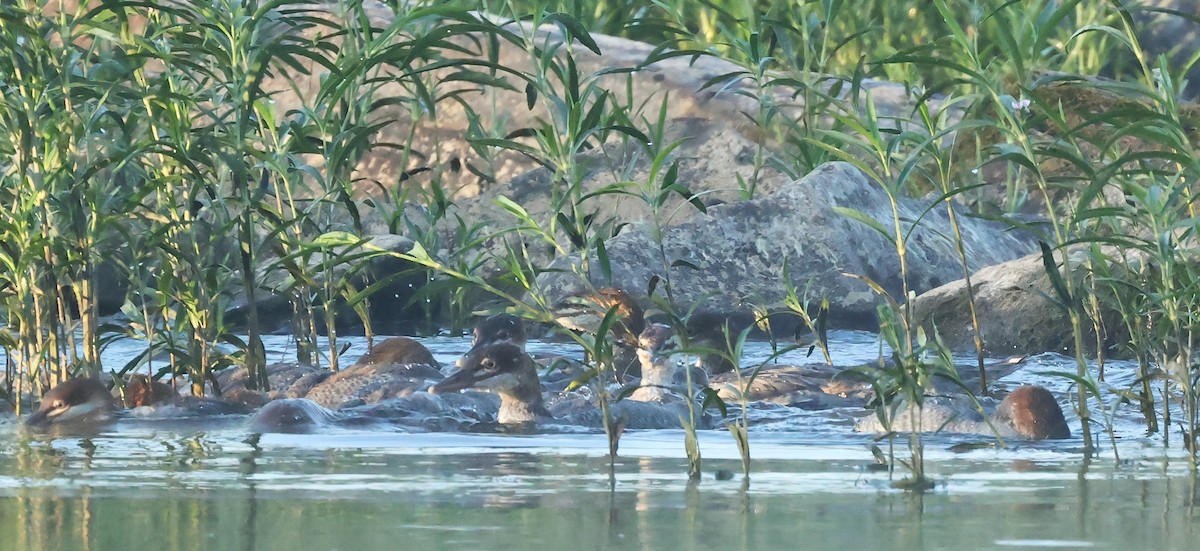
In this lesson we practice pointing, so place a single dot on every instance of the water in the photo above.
(177, 485)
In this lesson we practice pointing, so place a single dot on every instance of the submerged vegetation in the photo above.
(179, 161)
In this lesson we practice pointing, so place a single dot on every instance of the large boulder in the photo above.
(1016, 308)
(731, 259)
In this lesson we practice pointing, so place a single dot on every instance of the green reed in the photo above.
(148, 131)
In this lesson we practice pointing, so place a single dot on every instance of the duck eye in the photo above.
(57, 404)
(488, 364)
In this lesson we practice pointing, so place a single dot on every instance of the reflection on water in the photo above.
(198, 486)
(231, 490)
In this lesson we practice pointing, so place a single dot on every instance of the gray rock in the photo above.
(1017, 313)
(738, 250)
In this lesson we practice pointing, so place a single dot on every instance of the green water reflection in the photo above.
(229, 491)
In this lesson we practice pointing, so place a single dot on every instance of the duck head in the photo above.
(585, 312)
(505, 369)
(75, 401)
(656, 348)
(495, 329)
(1034, 413)
(499, 328)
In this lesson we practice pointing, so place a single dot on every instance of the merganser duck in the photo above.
(557, 372)
(292, 415)
(813, 386)
(397, 350)
(1028, 412)
(396, 367)
(662, 376)
(149, 398)
(505, 369)
(82, 402)
(141, 390)
(585, 312)
(822, 386)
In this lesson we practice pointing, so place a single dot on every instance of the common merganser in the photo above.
(82, 402)
(396, 367)
(585, 312)
(505, 369)
(1029, 412)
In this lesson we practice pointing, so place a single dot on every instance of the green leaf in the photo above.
(862, 217)
(1056, 279)
(576, 30)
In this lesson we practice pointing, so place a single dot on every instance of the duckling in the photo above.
(150, 398)
(657, 348)
(1029, 412)
(292, 415)
(505, 369)
(585, 312)
(813, 386)
(557, 372)
(397, 366)
(82, 402)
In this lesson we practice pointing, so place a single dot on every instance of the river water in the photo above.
(188, 485)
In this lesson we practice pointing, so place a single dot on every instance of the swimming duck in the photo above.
(585, 312)
(662, 375)
(709, 333)
(142, 390)
(396, 367)
(149, 398)
(397, 350)
(812, 386)
(292, 415)
(79, 402)
(821, 386)
(557, 372)
(1028, 412)
(505, 369)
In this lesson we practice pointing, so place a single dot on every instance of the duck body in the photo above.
(814, 386)
(1028, 412)
(292, 416)
(398, 350)
(396, 367)
(822, 386)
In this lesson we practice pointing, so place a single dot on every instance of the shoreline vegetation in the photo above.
(203, 171)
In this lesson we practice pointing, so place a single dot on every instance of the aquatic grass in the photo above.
(800, 305)
(146, 130)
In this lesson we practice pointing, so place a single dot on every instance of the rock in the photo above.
(738, 250)
(1015, 308)
(1175, 36)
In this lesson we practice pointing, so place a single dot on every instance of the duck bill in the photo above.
(459, 380)
(39, 418)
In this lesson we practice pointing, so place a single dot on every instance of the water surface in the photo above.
(180, 485)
